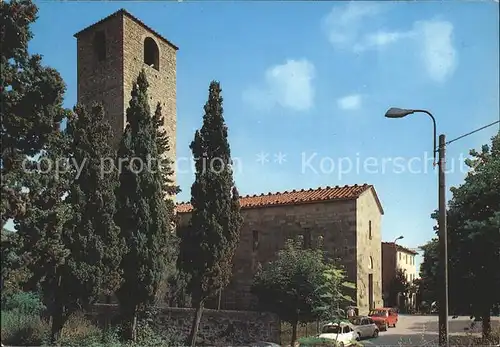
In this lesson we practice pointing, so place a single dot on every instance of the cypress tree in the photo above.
(209, 243)
(68, 231)
(144, 215)
(163, 146)
(95, 244)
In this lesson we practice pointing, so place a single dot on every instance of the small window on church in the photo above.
(100, 45)
(151, 53)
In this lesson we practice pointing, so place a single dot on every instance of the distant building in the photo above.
(344, 221)
(396, 257)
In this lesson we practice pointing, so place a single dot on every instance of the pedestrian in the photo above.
(350, 312)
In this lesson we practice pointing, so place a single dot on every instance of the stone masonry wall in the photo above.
(162, 82)
(217, 328)
(369, 252)
(334, 221)
(102, 81)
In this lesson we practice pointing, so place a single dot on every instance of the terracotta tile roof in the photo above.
(296, 197)
(401, 248)
(135, 19)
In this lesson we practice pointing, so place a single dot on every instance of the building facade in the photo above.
(344, 221)
(111, 53)
(396, 257)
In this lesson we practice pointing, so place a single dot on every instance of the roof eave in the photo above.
(135, 19)
(250, 207)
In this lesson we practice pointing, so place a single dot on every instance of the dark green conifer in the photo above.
(145, 217)
(209, 243)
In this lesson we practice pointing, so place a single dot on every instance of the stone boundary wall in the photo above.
(217, 328)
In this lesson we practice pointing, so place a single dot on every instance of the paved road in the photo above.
(422, 331)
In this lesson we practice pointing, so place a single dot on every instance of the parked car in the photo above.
(384, 317)
(365, 327)
(344, 333)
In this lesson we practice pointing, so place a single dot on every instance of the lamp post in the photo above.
(396, 249)
(443, 234)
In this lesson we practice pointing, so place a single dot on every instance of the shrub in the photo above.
(80, 331)
(24, 302)
(20, 329)
(316, 342)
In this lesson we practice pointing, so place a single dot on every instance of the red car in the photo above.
(384, 317)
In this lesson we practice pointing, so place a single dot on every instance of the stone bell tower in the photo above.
(111, 53)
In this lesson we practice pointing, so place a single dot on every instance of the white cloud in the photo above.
(356, 26)
(438, 53)
(289, 85)
(381, 39)
(343, 24)
(350, 102)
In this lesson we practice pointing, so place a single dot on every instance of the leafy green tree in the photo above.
(43, 231)
(428, 282)
(399, 287)
(295, 285)
(31, 103)
(145, 217)
(473, 218)
(333, 295)
(13, 267)
(474, 232)
(209, 243)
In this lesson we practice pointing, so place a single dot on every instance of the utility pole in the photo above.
(443, 247)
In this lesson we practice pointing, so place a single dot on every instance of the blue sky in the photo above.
(312, 80)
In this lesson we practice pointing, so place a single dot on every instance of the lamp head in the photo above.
(395, 112)
(399, 238)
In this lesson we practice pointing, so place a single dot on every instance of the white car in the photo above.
(364, 327)
(343, 333)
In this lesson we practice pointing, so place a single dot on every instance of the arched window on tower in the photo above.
(100, 45)
(151, 53)
(370, 264)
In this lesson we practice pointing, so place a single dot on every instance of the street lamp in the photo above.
(395, 112)
(443, 234)
(398, 238)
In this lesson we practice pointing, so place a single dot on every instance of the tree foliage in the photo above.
(92, 235)
(145, 217)
(333, 295)
(399, 287)
(474, 229)
(300, 286)
(209, 243)
(42, 229)
(31, 103)
(163, 146)
(474, 238)
(13, 267)
(428, 282)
